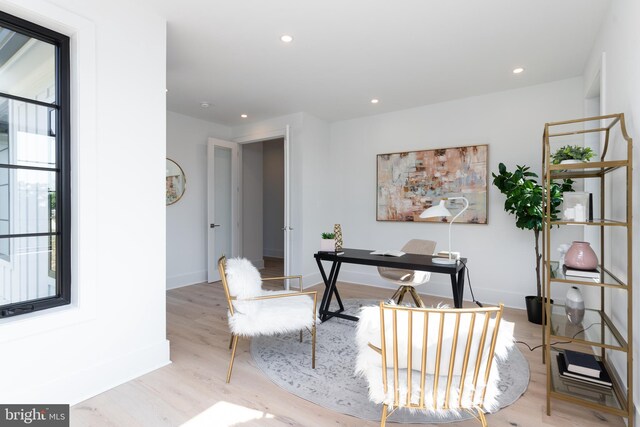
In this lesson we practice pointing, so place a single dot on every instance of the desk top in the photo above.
(406, 261)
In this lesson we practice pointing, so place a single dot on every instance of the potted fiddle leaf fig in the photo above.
(525, 199)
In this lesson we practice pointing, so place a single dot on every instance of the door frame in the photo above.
(267, 136)
(212, 270)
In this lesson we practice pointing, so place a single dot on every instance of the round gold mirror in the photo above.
(176, 182)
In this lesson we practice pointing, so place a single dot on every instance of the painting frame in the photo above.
(409, 182)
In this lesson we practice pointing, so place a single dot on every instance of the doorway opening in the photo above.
(263, 205)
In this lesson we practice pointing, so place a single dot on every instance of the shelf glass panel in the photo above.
(585, 170)
(605, 279)
(590, 331)
(580, 391)
(595, 221)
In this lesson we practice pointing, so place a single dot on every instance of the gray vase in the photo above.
(574, 306)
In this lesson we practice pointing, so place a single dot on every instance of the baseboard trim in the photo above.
(89, 382)
(179, 281)
(258, 263)
(275, 253)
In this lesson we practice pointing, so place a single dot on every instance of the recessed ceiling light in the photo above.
(244, 116)
(518, 70)
(286, 38)
(375, 101)
(204, 104)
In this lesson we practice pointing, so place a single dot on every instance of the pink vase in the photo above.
(581, 256)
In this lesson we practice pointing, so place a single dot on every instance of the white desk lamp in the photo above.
(440, 210)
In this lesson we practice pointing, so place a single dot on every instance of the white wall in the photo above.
(273, 201)
(187, 219)
(500, 257)
(319, 168)
(114, 330)
(251, 215)
(619, 40)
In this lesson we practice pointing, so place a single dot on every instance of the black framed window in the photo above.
(35, 199)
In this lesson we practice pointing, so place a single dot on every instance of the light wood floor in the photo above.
(192, 390)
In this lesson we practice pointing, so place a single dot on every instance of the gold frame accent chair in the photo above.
(409, 279)
(432, 359)
(254, 311)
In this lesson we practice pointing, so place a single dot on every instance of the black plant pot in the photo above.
(534, 309)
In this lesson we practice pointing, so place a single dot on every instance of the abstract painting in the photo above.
(410, 182)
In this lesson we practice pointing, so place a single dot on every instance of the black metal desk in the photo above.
(364, 257)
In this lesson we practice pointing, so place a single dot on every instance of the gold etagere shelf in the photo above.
(606, 337)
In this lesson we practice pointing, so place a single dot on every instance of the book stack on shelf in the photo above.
(581, 274)
(583, 368)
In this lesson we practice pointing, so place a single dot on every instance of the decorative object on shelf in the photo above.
(574, 274)
(555, 268)
(601, 379)
(526, 200)
(570, 154)
(581, 256)
(337, 230)
(176, 182)
(576, 206)
(440, 210)
(408, 183)
(563, 248)
(574, 305)
(328, 242)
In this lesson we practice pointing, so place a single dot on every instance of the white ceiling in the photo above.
(405, 52)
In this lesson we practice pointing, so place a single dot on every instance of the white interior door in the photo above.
(222, 203)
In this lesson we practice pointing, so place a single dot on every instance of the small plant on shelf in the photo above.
(572, 152)
(328, 236)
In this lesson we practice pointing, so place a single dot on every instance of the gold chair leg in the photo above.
(416, 297)
(230, 341)
(483, 419)
(234, 344)
(313, 347)
(383, 420)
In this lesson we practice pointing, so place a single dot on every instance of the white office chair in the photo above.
(409, 279)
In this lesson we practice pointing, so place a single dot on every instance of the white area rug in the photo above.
(333, 385)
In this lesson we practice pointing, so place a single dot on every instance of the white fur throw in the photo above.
(243, 278)
(369, 362)
(263, 317)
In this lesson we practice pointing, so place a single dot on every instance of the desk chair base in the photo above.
(402, 290)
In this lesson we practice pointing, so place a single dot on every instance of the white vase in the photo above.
(574, 305)
(327, 244)
(571, 162)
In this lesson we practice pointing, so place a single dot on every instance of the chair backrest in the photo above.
(450, 352)
(240, 279)
(413, 246)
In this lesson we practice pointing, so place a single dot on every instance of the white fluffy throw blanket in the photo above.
(369, 362)
(264, 317)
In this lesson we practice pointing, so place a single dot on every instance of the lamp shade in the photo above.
(437, 210)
